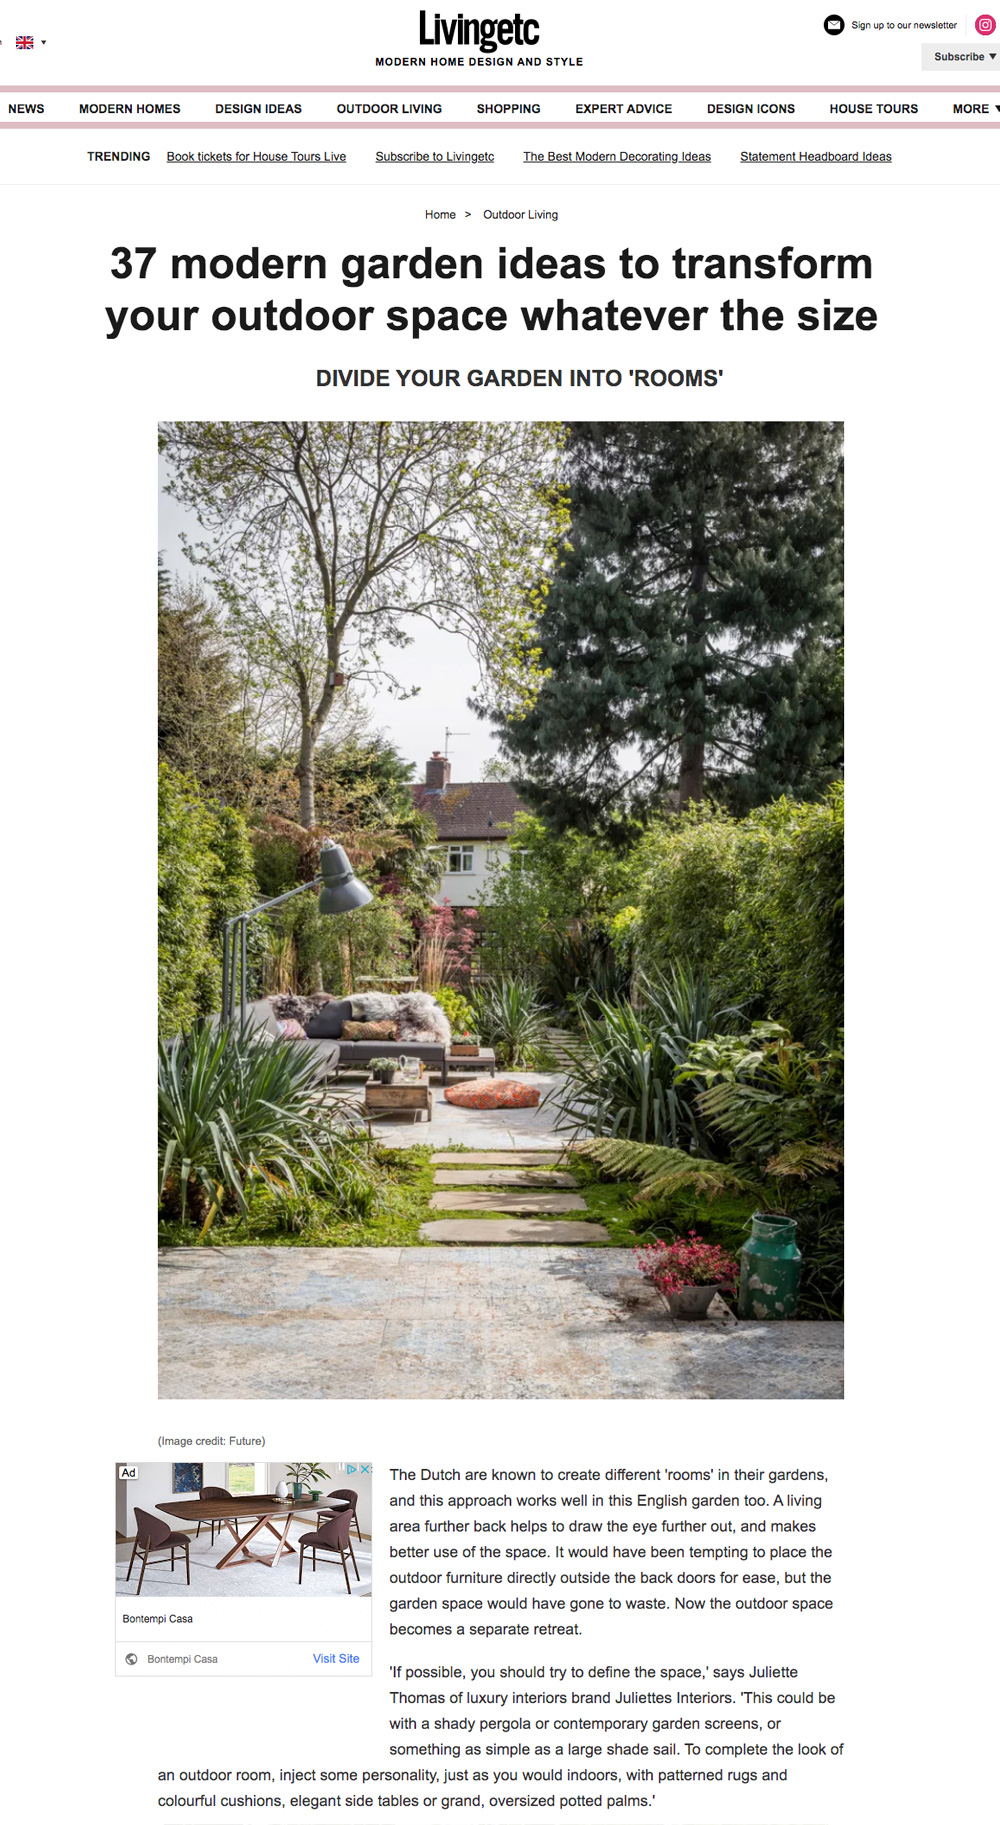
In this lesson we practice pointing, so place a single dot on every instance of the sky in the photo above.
(439, 664)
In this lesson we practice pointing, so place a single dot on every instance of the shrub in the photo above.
(187, 870)
(786, 941)
(509, 1016)
(691, 882)
(622, 1079)
(307, 951)
(581, 970)
(774, 1112)
(374, 940)
(779, 1107)
(461, 1018)
(757, 903)
(344, 1179)
(549, 885)
(624, 929)
(515, 922)
(205, 877)
(232, 1107)
(240, 1127)
(445, 946)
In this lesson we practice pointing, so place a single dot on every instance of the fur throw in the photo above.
(374, 1007)
(421, 1020)
(292, 1007)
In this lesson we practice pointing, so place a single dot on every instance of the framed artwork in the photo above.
(187, 1479)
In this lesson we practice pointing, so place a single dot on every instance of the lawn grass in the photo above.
(405, 1180)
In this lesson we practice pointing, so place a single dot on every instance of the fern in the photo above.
(662, 1170)
(805, 1160)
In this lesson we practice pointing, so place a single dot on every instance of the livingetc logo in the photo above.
(488, 34)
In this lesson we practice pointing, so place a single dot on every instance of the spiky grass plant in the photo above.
(622, 1079)
(509, 1016)
(234, 1108)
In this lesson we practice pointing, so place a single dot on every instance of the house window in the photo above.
(460, 858)
(241, 1479)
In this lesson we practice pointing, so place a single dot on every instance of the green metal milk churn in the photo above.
(770, 1267)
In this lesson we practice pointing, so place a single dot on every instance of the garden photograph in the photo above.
(500, 910)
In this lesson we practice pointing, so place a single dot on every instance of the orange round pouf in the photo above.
(499, 1093)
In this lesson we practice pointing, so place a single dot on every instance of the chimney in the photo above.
(438, 772)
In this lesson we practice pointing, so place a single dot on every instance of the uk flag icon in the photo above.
(25, 44)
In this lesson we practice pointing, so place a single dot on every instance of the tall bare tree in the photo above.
(327, 541)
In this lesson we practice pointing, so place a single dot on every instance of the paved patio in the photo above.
(462, 1323)
(452, 1126)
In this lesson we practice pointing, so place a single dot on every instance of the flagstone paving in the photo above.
(527, 1202)
(519, 1231)
(527, 1129)
(522, 1155)
(463, 1323)
(499, 1175)
(537, 1193)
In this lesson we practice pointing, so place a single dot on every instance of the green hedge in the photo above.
(758, 903)
(205, 877)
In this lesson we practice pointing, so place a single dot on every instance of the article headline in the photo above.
(357, 271)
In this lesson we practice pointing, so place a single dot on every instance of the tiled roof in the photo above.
(484, 809)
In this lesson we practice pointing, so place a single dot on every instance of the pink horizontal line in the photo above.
(745, 125)
(439, 88)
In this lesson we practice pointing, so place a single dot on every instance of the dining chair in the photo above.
(215, 1494)
(344, 1495)
(331, 1538)
(150, 1535)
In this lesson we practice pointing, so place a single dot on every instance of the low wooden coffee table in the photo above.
(385, 1099)
(483, 1060)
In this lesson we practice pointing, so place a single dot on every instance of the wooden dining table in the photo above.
(267, 1512)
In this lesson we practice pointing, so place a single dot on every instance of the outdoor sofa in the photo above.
(335, 1054)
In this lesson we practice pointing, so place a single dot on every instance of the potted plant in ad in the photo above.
(465, 1045)
(303, 1477)
(383, 1070)
(688, 1272)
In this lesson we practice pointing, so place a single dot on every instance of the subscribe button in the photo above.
(958, 57)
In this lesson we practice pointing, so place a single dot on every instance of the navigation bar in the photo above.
(594, 111)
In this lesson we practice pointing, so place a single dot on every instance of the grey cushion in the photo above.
(328, 1020)
(362, 1051)
(261, 1014)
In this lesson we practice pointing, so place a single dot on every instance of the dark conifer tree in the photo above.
(692, 635)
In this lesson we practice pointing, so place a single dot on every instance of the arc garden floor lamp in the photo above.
(340, 891)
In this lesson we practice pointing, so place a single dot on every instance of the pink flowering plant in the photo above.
(446, 943)
(687, 1261)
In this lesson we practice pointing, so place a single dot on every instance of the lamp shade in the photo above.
(341, 891)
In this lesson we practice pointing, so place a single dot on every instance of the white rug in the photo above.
(243, 1577)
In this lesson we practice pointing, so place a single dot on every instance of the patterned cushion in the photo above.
(369, 1029)
(499, 1093)
(291, 1029)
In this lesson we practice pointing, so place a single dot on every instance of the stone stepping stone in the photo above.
(514, 1156)
(552, 1203)
(512, 1234)
(500, 1175)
